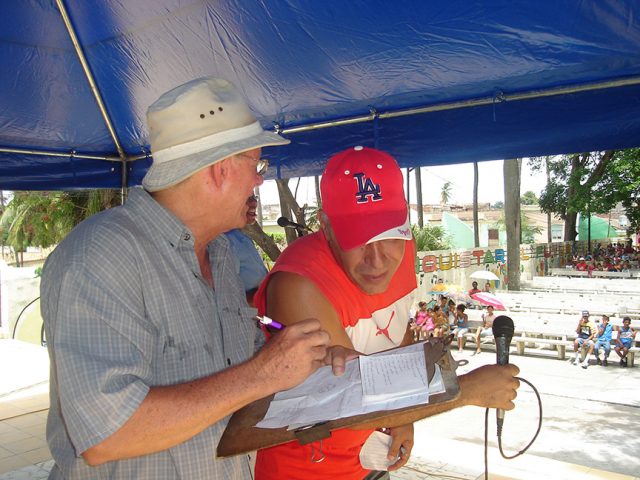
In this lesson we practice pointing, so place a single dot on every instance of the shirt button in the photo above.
(186, 237)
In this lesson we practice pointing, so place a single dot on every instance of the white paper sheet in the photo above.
(324, 397)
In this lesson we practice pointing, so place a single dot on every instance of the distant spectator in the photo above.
(474, 288)
(487, 287)
(624, 341)
(581, 266)
(604, 333)
(586, 330)
(441, 322)
(486, 329)
(462, 325)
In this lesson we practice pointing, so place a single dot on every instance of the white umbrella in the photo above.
(484, 275)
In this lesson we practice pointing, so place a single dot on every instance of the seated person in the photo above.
(581, 266)
(441, 322)
(462, 326)
(624, 342)
(586, 331)
(486, 329)
(603, 340)
(356, 276)
(474, 288)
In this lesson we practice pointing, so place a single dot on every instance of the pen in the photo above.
(264, 320)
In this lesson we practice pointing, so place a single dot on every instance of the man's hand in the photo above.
(337, 356)
(293, 354)
(401, 445)
(490, 386)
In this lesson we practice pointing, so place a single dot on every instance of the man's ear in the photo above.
(322, 219)
(219, 172)
(325, 226)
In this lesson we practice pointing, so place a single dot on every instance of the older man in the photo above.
(148, 330)
(357, 277)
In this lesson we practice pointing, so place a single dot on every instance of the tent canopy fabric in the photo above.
(430, 82)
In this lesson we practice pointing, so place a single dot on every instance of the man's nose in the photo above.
(375, 254)
(259, 180)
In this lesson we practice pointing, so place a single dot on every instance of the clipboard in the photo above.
(242, 436)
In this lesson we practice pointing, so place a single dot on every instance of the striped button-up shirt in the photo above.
(126, 308)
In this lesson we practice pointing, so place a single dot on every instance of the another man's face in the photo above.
(490, 310)
(371, 267)
(252, 205)
(605, 320)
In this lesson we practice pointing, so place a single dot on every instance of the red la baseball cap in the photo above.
(363, 196)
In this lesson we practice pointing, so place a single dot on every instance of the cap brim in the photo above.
(402, 232)
(164, 175)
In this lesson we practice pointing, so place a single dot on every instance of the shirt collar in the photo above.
(154, 217)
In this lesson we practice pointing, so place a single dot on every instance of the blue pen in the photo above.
(264, 320)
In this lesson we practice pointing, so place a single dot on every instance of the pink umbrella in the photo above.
(488, 299)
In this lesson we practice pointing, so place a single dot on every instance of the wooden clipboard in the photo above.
(241, 434)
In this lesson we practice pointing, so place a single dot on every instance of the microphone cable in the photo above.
(499, 433)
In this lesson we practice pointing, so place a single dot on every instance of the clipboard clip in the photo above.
(317, 455)
(309, 434)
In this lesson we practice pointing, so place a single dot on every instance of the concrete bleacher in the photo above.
(547, 310)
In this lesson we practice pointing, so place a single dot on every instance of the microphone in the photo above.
(284, 222)
(502, 333)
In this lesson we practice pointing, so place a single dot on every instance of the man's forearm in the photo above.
(170, 415)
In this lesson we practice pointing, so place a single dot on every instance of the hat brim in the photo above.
(402, 232)
(353, 231)
(167, 174)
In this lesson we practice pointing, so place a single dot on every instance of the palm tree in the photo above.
(445, 193)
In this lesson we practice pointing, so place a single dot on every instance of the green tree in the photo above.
(445, 193)
(591, 182)
(430, 238)
(529, 198)
(528, 231)
(43, 219)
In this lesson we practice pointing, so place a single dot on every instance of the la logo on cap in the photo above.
(367, 190)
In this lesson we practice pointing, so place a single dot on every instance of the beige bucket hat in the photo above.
(196, 125)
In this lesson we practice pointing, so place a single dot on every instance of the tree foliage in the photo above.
(529, 198)
(445, 193)
(591, 182)
(430, 238)
(528, 231)
(43, 219)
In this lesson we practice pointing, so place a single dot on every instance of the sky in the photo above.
(490, 185)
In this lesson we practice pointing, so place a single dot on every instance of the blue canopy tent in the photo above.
(431, 82)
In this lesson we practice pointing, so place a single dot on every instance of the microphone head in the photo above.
(503, 327)
(283, 221)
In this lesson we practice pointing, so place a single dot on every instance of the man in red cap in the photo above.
(356, 275)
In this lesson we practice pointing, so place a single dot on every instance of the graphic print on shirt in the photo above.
(384, 329)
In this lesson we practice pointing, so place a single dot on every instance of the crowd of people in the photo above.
(614, 257)
(446, 317)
